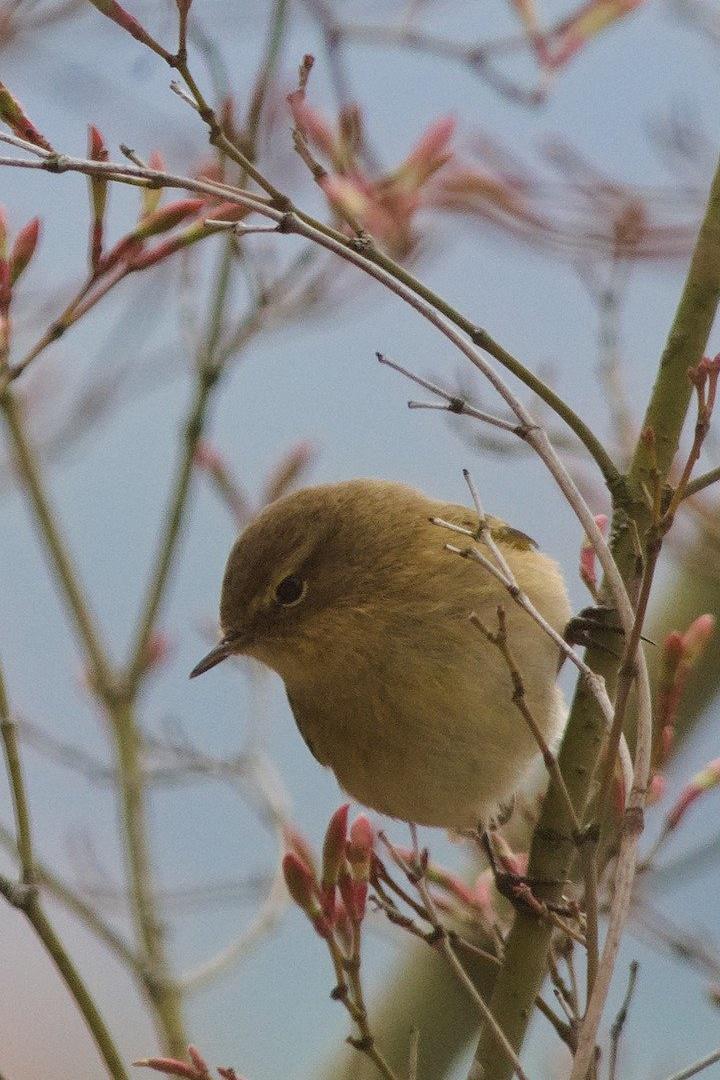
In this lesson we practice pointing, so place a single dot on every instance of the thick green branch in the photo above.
(553, 847)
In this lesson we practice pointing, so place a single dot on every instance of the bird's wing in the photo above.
(301, 714)
(499, 530)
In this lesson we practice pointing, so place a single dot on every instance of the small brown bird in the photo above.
(347, 592)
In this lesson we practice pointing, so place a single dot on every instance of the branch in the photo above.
(527, 944)
(25, 897)
(290, 216)
(665, 415)
(693, 1070)
(65, 573)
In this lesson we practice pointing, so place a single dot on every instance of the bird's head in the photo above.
(302, 573)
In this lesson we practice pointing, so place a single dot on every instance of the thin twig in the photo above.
(499, 638)
(619, 1023)
(263, 921)
(697, 1067)
(455, 404)
(373, 262)
(700, 483)
(446, 948)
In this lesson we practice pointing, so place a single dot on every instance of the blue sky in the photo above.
(316, 380)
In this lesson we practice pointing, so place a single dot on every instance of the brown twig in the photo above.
(619, 1022)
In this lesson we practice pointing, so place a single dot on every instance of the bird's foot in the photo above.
(589, 627)
(520, 889)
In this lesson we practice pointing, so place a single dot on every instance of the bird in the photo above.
(348, 592)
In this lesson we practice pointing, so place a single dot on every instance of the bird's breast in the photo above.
(427, 733)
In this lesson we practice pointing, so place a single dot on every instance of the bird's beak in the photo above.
(222, 650)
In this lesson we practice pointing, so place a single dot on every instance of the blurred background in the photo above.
(569, 245)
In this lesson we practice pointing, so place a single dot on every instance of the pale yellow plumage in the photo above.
(390, 684)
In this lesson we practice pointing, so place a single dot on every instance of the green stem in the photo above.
(17, 786)
(173, 527)
(266, 73)
(25, 898)
(161, 988)
(49, 530)
(77, 988)
(78, 907)
(553, 847)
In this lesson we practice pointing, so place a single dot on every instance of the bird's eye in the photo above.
(290, 591)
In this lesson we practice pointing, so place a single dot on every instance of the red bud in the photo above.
(171, 1067)
(24, 248)
(167, 217)
(296, 842)
(303, 889)
(333, 857)
(12, 112)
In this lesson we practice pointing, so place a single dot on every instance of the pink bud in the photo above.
(362, 838)
(12, 112)
(354, 887)
(673, 647)
(299, 880)
(656, 789)
(197, 1060)
(333, 857)
(431, 152)
(167, 217)
(24, 248)
(482, 895)
(158, 649)
(97, 149)
(347, 195)
(312, 124)
(303, 889)
(289, 470)
(207, 457)
(696, 637)
(588, 572)
(171, 1067)
(296, 842)
(156, 161)
(209, 169)
(227, 211)
(354, 896)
